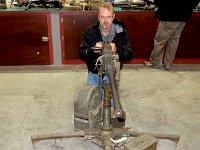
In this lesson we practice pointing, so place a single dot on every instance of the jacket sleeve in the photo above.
(123, 46)
(85, 50)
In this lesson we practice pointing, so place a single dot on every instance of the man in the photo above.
(172, 15)
(107, 29)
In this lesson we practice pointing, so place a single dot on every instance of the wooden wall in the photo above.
(21, 37)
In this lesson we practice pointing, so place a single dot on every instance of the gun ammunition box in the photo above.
(143, 142)
(87, 108)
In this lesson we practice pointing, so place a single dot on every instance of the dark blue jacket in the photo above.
(175, 10)
(92, 35)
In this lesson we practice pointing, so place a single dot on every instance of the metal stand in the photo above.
(106, 136)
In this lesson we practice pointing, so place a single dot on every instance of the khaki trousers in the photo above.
(168, 33)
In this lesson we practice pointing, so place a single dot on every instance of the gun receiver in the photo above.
(108, 67)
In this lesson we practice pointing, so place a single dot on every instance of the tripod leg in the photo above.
(107, 144)
(174, 138)
(56, 136)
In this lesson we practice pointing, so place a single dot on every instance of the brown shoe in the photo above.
(148, 64)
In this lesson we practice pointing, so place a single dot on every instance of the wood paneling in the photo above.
(21, 36)
(189, 46)
(141, 27)
(72, 28)
(21, 39)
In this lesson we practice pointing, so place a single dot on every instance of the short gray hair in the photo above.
(107, 6)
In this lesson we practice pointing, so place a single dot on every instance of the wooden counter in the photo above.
(22, 37)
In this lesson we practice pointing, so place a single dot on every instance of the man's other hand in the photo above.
(113, 48)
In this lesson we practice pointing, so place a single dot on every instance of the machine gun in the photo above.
(92, 104)
(106, 65)
(96, 121)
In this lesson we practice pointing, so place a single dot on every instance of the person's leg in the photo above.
(161, 37)
(106, 79)
(173, 42)
(93, 79)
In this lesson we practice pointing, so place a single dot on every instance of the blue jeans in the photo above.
(94, 79)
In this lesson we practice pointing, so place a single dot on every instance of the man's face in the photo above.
(105, 18)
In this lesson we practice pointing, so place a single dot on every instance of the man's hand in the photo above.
(98, 47)
(99, 44)
(113, 47)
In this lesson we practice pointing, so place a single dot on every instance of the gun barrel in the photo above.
(117, 105)
(110, 71)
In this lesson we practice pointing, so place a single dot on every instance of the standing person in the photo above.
(172, 16)
(107, 29)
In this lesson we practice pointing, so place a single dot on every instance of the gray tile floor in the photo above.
(40, 101)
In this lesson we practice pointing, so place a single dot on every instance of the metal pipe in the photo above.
(56, 136)
(110, 71)
(106, 108)
(174, 138)
(117, 105)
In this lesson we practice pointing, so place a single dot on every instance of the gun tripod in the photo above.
(107, 136)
